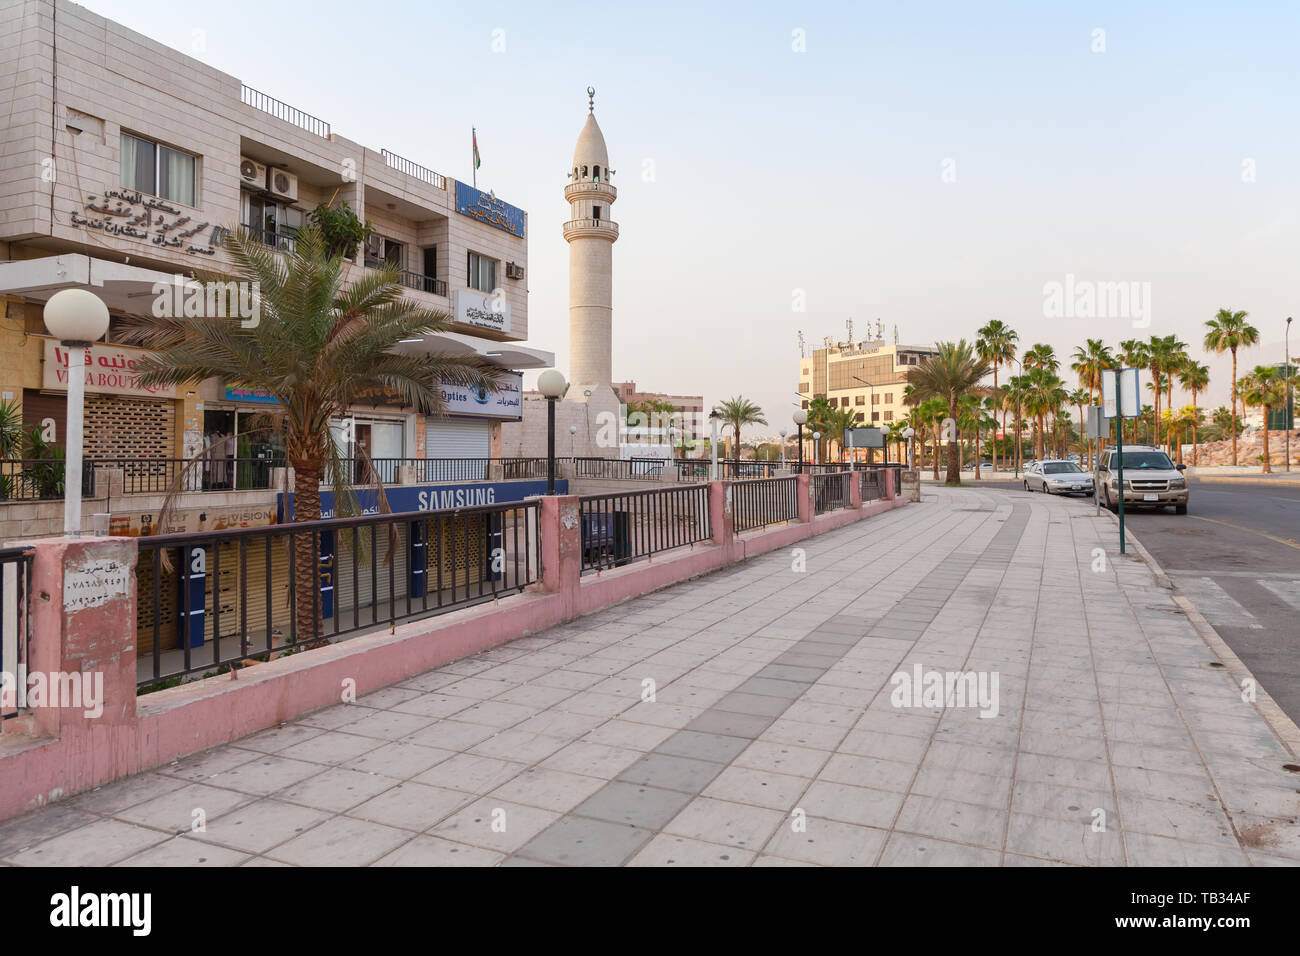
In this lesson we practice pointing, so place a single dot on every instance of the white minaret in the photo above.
(590, 233)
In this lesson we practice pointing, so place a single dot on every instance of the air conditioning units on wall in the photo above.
(282, 184)
(251, 174)
(514, 271)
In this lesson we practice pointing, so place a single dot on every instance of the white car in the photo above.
(1058, 478)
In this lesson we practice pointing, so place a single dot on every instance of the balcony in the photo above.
(412, 280)
(600, 228)
(590, 189)
(283, 111)
(414, 170)
(279, 240)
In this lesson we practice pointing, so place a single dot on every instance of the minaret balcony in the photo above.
(590, 189)
(591, 228)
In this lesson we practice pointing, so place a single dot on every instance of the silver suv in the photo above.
(1151, 480)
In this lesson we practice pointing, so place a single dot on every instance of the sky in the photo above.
(786, 167)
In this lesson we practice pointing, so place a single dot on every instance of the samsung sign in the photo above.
(505, 403)
(407, 498)
(487, 209)
(481, 310)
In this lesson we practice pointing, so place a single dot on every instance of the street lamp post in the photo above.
(783, 433)
(1289, 418)
(907, 433)
(713, 445)
(76, 317)
(800, 418)
(817, 446)
(551, 384)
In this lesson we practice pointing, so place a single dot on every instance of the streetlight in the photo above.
(551, 384)
(573, 431)
(76, 317)
(1289, 420)
(713, 444)
(907, 433)
(817, 444)
(800, 418)
(783, 433)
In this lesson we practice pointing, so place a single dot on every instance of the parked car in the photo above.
(1151, 480)
(1058, 478)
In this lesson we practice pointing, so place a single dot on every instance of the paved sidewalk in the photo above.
(771, 738)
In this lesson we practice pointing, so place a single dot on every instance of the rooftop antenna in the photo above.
(803, 352)
(849, 323)
(591, 99)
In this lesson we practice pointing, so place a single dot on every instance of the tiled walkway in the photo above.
(746, 718)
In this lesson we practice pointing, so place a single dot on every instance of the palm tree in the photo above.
(1177, 424)
(316, 347)
(1227, 332)
(1013, 400)
(931, 415)
(1265, 388)
(1041, 356)
(1194, 377)
(835, 423)
(737, 412)
(1164, 356)
(1079, 398)
(953, 371)
(1044, 394)
(1225, 421)
(1134, 353)
(996, 345)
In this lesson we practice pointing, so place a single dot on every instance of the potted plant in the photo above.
(342, 229)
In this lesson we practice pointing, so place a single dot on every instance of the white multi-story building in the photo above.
(121, 162)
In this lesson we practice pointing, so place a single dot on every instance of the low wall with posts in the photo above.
(92, 728)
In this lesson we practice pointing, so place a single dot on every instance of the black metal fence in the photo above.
(619, 467)
(209, 600)
(760, 502)
(629, 526)
(873, 481)
(15, 627)
(41, 479)
(830, 491)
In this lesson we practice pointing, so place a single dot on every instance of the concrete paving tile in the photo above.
(777, 791)
(176, 810)
(963, 786)
(264, 775)
(434, 705)
(389, 725)
(672, 773)
(782, 758)
(399, 760)
(952, 821)
(256, 827)
(629, 735)
(184, 851)
(848, 804)
(341, 841)
(1064, 841)
(119, 795)
(434, 851)
(731, 824)
(330, 747)
(495, 824)
(716, 747)
(583, 841)
(1085, 774)
(278, 738)
(450, 735)
(1198, 824)
(1147, 850)
(668, 850)
(336, 789)
(411, 806)
(905, 849)
(634, 804)
(205, 765)
(1076, 804)
(549, 789)
(868, 772)
(735, 725)
(520, 746)
(592, 759)
(97, 844)
(828, 843)
(471, 773)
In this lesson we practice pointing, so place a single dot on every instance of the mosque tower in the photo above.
(590, 233)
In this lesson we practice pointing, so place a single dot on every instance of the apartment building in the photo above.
(690, 418)
(867, 376)
(121, 164)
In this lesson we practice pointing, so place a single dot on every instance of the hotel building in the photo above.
(868, 377)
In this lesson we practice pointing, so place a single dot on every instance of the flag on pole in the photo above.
(477, 162)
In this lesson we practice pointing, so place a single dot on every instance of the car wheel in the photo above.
(1026, 484)
(1180, 509)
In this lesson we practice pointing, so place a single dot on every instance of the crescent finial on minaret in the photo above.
(591, 99)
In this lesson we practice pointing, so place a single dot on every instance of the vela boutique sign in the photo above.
(125, 212)
(110, 369)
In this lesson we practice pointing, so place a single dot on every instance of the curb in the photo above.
(1162, 579)
(1283, 727)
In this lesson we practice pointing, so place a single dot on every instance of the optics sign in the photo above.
(487, 209)
(505, 403)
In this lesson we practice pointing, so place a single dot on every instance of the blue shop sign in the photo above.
(404, 498)
(486, 208)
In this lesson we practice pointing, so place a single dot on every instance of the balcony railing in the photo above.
(41, 479)
(412, 280)
(279, 240)
(283, 111)
(422, 173)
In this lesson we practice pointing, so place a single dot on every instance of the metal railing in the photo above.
(15, 628)
(760, 502)
(211, 600)
(422, 173)
(283, 111)
(620, 528)
(871, 482)
(619, 467)
(830, 491)
(41, 479)
(281, 241)
(412, 280)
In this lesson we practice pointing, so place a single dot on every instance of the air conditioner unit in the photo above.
(251, 174)
(282, 184)
(514, 271)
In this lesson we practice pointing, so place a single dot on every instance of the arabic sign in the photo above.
(124, 212)
(481, 310)
(506, 402)
(110, 369)
(255, 396)
(486, 208)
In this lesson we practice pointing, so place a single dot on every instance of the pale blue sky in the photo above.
(776, 170)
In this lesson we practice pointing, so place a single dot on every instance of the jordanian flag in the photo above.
(477, 162)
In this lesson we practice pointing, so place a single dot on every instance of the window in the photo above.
(805, 404)
(595, 212)
(889, 398)
(875, 416)
(271, 222)
(889, 416)
(596, 175)
(158, 170)
(482, 273)
(858, 417)
(859, 400)
(875, 399)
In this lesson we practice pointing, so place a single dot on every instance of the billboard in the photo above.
(487, 209)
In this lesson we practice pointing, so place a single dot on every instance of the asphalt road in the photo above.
(1236, 556)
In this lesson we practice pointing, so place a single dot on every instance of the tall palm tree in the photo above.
(1013, 400)
(951, 372)
(316, 347)
(996, 345)
(737, 412)
(1194, 377)
(1164, 355)
(1227, 332)
(1041, 356)
(1265, 388)
(931, 414)
(1091, 361)
(1044, 393)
